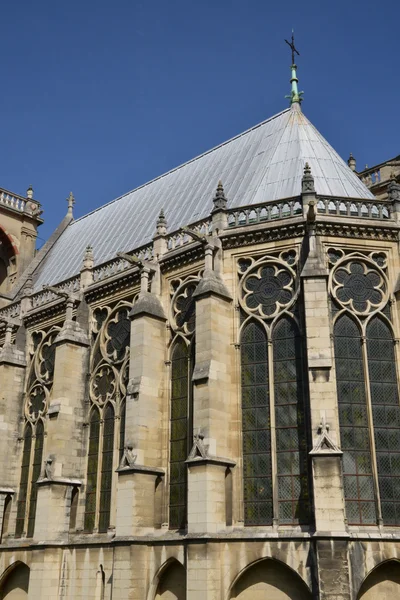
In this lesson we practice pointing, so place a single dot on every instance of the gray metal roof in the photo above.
(262, 164)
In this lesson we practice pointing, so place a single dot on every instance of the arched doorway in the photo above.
(172, 585)
(270, 580)
(16, 584)
(383, 582)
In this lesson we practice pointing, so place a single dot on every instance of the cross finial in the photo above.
(295, 96)
(293, 48)
(71, 202)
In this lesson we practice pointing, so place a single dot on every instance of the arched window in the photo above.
(106, 469)
(36, 468)
(24, 482)
(385, 416)
(179, 438)
(92, 469)
(290, 422)
(353, 420)
(257, 475)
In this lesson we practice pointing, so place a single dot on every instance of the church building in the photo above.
(199, 382)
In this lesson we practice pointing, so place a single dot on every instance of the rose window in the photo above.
(268, 289)
(359, 287)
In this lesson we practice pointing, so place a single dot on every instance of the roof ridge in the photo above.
(182, 165)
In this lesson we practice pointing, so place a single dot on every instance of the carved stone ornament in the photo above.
(183, 316)
(45, 357)
(36, 402)
(103, 384)
(359, 284)
(325, 446)
(41, 372)
(199, 449)
(268, 286)
(109, 362)
(128, 458)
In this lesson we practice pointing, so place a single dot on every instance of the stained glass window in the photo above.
(93, 460)
(386, 416)
(257, 481)
(179, 436)
(290, 419)
(106, 470)
(353, 419)
(36, 468)
(24, 482)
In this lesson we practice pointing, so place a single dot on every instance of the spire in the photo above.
(71, 202)
(295, 97)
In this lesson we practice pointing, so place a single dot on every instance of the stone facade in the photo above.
(378, 177)
(107, 382)
(19, 219)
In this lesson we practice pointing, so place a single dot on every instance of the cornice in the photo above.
(113, 286)
(374, 231)
(180, 257)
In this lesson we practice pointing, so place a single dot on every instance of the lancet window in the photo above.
(276, 485)
(182, 354)
(367, 387)
(38, 388)
(109, 366)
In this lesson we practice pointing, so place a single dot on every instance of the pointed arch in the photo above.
(353, 420)
(385, 416)
(92, 469)
(256, 427)
(291, 423)
(106, 469)
(171, 581)
(179, 433)
(269, 578)
(382, 582)
(24, 481)
(36, 469)
(14, 583)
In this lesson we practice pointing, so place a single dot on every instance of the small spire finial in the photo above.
(71, 202)
(351, 161)
(29, 192)
(220, 200)
(307, 181)
(161, 225)
(88, 259)
(295, 97)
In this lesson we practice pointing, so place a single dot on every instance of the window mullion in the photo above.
(99, 473)
(274, 461)
(29, 486)
(371, 429)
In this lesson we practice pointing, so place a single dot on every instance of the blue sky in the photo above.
(99, 97)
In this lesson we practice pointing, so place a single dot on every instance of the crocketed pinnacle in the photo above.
(220, 200)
